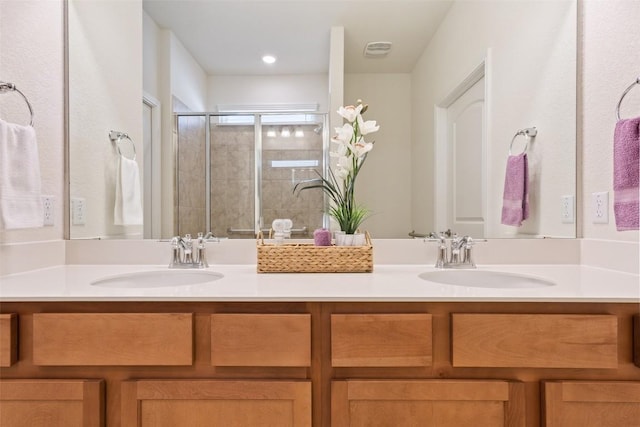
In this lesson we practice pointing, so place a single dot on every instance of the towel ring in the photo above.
(117, 138)
(528, 133)
(626, 91)
(10, 87)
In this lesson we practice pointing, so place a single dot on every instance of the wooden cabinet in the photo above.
(8, 339)
(381, 340)
(400, 403)
(591, 403)
(535, 340)
(51, 403)
(216, 403)
(112, 339)
(320, 364)
(260, 339)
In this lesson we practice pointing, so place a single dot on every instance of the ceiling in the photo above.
(229, 37)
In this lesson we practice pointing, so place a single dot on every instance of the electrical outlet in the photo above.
(48, 208)
(568, 210)
(78, 211)
(600, 207)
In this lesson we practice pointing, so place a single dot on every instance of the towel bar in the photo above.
(528, 132)
(117, 137)
(626, 91)
(10, 87)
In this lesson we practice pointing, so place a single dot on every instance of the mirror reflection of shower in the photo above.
(235, 173)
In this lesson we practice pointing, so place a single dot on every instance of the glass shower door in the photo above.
(232, 155)
(291, 153)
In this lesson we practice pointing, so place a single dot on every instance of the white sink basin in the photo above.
(484, 279)
(158, 279)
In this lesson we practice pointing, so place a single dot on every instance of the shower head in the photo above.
(318, 129)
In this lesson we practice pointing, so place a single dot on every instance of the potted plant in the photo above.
(350, 151)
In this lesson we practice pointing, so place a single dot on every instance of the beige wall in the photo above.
(31, 57)
(384, 183)
(610, 62)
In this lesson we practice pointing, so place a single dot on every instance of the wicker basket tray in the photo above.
(308, 258)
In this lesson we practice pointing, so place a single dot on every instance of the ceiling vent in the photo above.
(377, 49)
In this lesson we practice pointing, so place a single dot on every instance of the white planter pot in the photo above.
(343, 239)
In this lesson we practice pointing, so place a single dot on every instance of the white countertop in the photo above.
(573, 283)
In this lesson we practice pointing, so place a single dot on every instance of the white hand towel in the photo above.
(20, 197)
(128, 206)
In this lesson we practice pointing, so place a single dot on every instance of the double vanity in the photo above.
(144, 345)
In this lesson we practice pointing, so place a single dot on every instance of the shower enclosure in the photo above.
(235, 172)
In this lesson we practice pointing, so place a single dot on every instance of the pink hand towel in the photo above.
(626, 173)
(515, 200)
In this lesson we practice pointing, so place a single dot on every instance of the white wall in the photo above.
(610, 62)
(151, 56)
(31, 56)
(531, 78)
(188, 79)
(106, 94)
(384, 182)
(268, 89)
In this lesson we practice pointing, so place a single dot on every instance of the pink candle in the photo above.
(322, 237)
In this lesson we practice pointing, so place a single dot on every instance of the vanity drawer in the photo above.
(8, 339)
(381, 340)
(535, 340)
(261, 339)
(591, 403)
(117, 339)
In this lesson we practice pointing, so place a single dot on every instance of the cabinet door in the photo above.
(176, 403)
(400, 403)
(51, 403)
(636, 340)
(592, 403)
(8, 339)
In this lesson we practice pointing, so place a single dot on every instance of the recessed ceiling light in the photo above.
(268, 59)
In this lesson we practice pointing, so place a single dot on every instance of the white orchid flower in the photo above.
(345, 162)
(367, 127)
(343, 134)
(350, 112)
(340, 151)
(361, 148)
(342, 173)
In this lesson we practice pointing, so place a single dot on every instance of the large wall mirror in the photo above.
(175, 93)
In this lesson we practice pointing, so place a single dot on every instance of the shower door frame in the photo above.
(257, 125)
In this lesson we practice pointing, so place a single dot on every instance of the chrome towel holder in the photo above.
(117, 137)
(626, 91)
(528, 133)
(10, 87)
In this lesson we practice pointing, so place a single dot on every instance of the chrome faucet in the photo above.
(183, 255)
(459, 253)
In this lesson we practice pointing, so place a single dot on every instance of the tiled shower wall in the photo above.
(191, 211)
(305, 209)
(232, 180)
